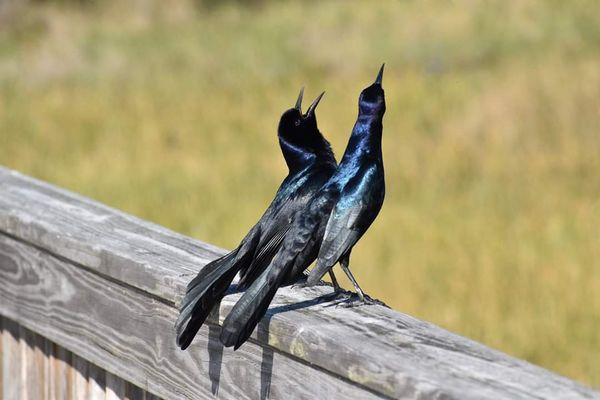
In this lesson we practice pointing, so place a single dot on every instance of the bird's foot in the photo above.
(368, 301)
(299, 285)
(338, 295)
(341, 299)
(345, 299)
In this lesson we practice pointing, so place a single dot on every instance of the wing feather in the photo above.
(358, 206)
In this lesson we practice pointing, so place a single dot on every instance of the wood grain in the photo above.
(80, 310)
(44, 370)
(103, 255)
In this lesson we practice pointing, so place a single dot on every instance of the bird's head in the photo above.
(297, 127)
(372, 98)
(290, 124)
(299, 136)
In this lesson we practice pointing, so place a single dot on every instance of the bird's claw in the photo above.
(338, 295)
(351, 303)
(345, 299)
(299, 285)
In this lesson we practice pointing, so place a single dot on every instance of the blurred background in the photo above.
(491, 226)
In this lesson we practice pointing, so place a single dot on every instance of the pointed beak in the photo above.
(311, 109)
(298, 105)
(379, 78)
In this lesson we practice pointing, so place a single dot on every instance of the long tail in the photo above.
(252, 306)
(297, 252)
(203, 292)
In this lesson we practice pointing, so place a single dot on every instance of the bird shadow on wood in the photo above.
(266, 365)
(215, 352)
(215, 348)
(262, 334)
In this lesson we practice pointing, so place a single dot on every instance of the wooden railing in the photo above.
(88, 300)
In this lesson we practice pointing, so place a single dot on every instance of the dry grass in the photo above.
(491, 222)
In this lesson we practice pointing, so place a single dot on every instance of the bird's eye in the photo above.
(297, 122)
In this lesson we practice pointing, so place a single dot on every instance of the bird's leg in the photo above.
(338, 293)
(361, 295)
(336, 285)
(359, 291)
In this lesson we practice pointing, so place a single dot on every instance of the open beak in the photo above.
(298, 105)
(311, 109)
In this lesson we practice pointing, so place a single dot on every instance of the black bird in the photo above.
(330, 225)
(311, 163)
(360, 182)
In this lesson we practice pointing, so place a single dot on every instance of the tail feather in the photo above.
(204, 291)
(253, 305)
(297, 251)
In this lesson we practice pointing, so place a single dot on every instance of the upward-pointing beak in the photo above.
(298, 105)
(380, 75)
(311, 109)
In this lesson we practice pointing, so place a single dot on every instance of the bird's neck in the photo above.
(365, 141)
(296, 157)
(324, 152)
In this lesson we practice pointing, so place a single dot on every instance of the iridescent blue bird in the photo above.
(360, 182)
(330, 225)
(311, 163)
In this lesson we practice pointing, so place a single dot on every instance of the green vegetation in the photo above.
(491, 225)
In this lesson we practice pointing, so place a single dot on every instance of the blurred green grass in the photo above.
(491, 226)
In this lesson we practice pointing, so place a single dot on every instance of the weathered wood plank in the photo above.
(79, 390)
(130, 250)
(55, 362)
(115, 387)
(47, 351)
(96, 382)
(12, 361)
(80, 310)
(374, 347)
(2, 355)
(133, 392)
(60, 373)
(34, 364)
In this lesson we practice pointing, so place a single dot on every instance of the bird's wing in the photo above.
(275, 225)
(296, 251)
(264, 256)
(359, 204)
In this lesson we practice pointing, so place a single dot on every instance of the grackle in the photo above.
(330, 225)
(311, 163)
